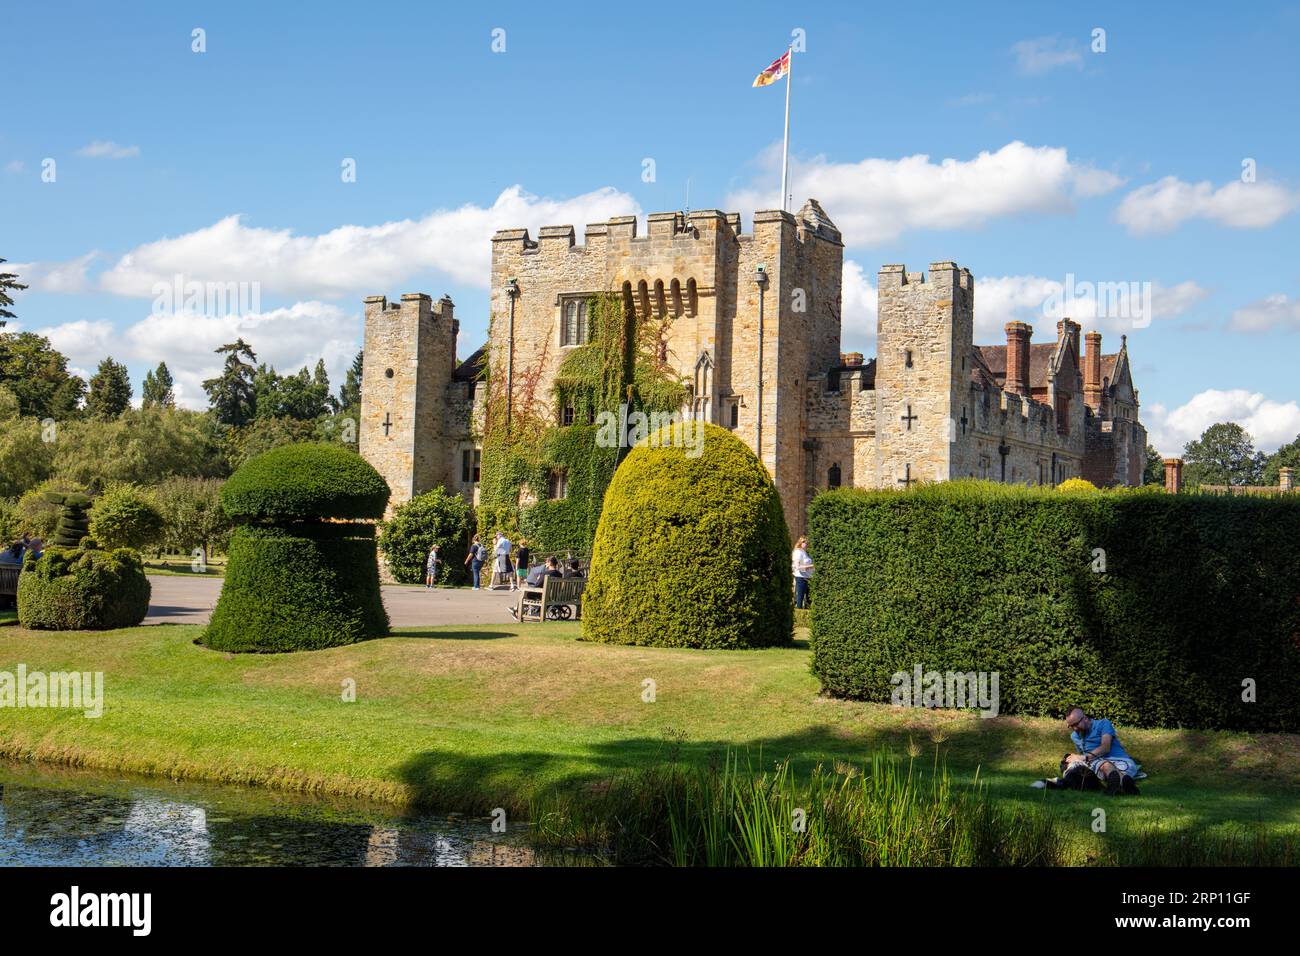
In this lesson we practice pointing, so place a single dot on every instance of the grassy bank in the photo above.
(471, 718)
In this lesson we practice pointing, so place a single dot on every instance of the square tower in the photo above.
(409, 359)
(924, 336)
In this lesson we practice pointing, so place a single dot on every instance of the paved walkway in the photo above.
(180, 599)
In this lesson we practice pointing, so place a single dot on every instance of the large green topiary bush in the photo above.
(70, 589)
(125, 516)
(74, 522)
(1143, 607)
(690, 552)
(302, 571)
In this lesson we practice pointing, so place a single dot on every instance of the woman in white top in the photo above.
(802, 566)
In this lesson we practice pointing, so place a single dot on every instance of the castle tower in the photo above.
(924, 335)
(410, 355)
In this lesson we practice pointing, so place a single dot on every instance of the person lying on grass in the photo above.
(1101, 759)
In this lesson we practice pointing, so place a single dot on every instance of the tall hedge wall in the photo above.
(1198, 594)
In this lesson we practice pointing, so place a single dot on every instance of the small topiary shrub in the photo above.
(74, 522)
(1076, 484)
(125, 516)
(435, 517)
(83, 589)
(302, 571)
(690, 552)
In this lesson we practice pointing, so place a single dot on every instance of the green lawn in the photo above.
(183, 565)
(469, 718)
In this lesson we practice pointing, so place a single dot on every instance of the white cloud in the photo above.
(65, 277)
(1271, 423)
(858, 304)
(1165, 205)
(351, 259)
(876, 200)
(84, 342)
(1041, 302)
(1270, 313)
(1041, 54)
(107, 149)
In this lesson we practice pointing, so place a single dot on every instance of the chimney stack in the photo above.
(1018, 334)
(1092, 371)
(1173, 475)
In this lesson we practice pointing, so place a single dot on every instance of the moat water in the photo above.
(59, 817)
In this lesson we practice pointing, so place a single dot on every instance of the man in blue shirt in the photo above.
(1099, 747)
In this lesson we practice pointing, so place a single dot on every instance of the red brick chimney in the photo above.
(1092, 371)
(1018, 334)
(1173, 475)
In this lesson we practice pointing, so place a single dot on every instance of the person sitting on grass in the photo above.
(1100, 754)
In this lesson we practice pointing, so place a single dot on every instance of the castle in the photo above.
(752, 325)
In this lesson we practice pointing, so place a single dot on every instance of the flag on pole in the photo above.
(779, 68)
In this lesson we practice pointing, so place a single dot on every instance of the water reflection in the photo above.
(63, 818)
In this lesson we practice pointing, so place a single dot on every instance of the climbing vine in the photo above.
(623, 363)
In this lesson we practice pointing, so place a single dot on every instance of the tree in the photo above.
(110, 390)
(1154, 474)
(38, 374)
(231, 394)
(125, 516)
(141, 446)
(1288, 456)
(159, 391)
(349, 400)
(192, 515)
(302, 396)
(8, 283)
(25, 457)
(1223, 455)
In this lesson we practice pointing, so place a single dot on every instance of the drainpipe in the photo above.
(760, 277)
(512, 290)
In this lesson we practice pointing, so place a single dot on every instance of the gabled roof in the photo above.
(472, 368)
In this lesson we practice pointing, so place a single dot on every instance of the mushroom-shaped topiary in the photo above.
(691, 550)
(302, 571)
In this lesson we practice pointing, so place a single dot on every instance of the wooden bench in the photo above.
(8, 584)
(557, 599)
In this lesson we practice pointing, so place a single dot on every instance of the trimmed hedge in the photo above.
(298, 588)
(302, 482)
(1197, 595)
(69, 589)
(691, 552)
(300, 585)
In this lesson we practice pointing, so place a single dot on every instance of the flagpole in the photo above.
(785, 149)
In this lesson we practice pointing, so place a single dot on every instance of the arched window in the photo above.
(573, 325)
(661, 307)
(833, 476)
(676, 289)
(692, 299)
(643, 296)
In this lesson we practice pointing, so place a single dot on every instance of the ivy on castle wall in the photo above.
(624, 363)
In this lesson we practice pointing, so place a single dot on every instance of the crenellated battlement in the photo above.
(941, 275)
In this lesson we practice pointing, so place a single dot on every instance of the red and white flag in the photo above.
(779, 68)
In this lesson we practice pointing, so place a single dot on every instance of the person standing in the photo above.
(475, 561)
(802, 566)
(521, 564)
(431, 568)
(502, 572)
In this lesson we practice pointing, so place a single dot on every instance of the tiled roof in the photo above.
(469, 370)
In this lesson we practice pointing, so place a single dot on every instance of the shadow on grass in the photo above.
(450, 635)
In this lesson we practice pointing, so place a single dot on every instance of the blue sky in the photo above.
(1117, 166)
